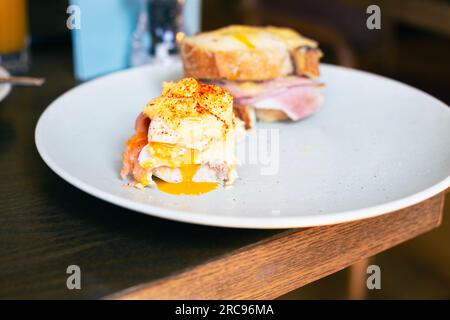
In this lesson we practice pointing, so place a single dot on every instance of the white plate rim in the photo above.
(6, 86)
(241, 222)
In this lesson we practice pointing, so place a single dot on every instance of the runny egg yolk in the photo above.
(184, 159)
(187, 186)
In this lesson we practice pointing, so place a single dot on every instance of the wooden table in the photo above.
(47, 225)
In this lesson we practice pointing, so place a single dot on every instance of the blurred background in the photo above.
(413, 46)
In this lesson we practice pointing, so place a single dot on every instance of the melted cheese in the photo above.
(250, 88)
(240, 37)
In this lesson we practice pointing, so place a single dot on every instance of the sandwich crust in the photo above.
(245, 53)
(203, 63)
(307, 61)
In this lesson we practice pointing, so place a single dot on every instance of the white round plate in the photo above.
(375, 146)
(5, 88)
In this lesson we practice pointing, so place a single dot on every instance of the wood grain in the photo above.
(47, 225)
(292, 259)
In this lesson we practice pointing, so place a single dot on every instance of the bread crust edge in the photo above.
(249, 65)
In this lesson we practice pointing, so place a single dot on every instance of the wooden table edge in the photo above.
(263, 271)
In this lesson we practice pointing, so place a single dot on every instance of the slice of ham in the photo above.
(130, 161)
(297, 102)
(142, 123)
(298, 97)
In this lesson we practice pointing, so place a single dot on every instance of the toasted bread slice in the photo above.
(307, 61)
(245, 53)
(247, 115)
(271, 115)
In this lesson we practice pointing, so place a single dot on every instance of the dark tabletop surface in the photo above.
(46, 224)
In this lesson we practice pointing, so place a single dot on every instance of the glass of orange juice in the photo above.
(14, 35)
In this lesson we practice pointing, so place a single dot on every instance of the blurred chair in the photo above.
(332, 42)
(431, 15)
(426, 15)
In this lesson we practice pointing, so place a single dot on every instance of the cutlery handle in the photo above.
(23, 81)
